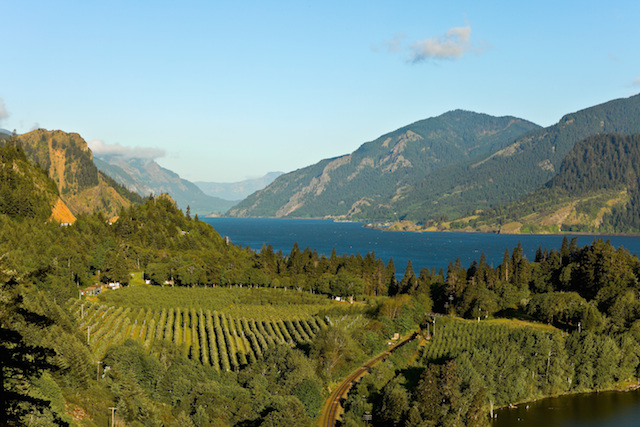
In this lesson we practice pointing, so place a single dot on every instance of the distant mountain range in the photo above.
(370, 181)
(75, 170)
(237, 190)
(461, 170)
(439, 169)
(145, 177)
(517, 169)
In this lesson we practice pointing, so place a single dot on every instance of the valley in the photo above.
(199, 330)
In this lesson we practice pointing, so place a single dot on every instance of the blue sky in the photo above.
(226, 90)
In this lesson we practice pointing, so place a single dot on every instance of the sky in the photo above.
(223, 91)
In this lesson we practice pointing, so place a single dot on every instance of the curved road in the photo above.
(332, 406)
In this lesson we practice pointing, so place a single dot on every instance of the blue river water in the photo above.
(430, 250)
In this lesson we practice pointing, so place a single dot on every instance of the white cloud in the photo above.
(636, 81)
(99, 148)
(3, 111)
(395, 44)
(452, 45)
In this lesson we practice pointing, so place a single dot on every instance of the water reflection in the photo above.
(593, 409)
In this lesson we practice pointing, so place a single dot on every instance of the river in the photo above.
(604, 409)
(431, 250)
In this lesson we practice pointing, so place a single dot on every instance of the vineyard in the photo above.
(250, 302)
(226, 340)
(453, 335)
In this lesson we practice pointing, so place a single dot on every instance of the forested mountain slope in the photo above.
(595, 190)
(519, 168)
(69, 162)
(25, 189)
(147, 177)
(382, 171)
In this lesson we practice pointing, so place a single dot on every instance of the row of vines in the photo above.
(453, 336)
(213, 338)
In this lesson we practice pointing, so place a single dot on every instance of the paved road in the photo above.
(332, 407)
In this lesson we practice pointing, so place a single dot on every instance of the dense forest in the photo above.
(597, 185)
(566, 321)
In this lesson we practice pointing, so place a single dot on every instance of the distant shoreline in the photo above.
(374, 226)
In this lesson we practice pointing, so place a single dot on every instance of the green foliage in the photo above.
(29, 357)
(596, 171)
(257, 303)
(334, 348)
(264, 355)
(25, 189)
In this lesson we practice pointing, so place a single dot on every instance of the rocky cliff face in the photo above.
(69, 162)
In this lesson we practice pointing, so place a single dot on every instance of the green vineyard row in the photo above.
(213, 338)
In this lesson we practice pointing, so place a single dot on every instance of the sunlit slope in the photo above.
(69, 162)
(370, 180)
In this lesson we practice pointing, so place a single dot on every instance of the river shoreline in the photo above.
(418, 229)
(619, 389)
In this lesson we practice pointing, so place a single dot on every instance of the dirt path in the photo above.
(332, 408)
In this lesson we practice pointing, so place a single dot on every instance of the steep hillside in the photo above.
(4, 134)
(237, 190)
(69, 163)
(519, 168)
(25, 189)
(597, 189)
(147, 177)
(380, 172)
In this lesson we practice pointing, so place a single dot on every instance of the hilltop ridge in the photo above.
(368, 181)
(69, 162)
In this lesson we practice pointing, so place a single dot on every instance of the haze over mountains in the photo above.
(145, 176)
(438, 168)
(237, 190)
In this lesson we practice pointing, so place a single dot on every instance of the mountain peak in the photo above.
(380, 171)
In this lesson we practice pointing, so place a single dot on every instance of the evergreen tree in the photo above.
(21, 362)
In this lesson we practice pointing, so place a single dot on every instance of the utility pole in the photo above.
(113, 415)
(98, 370)
(88, 334)
(366, 418)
